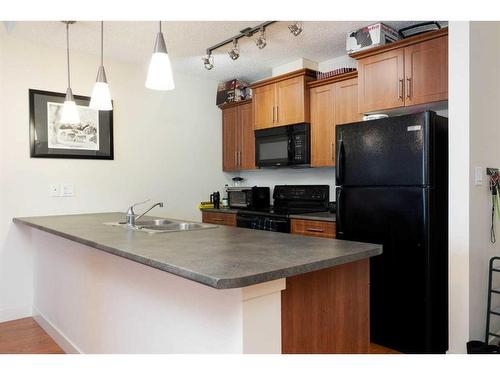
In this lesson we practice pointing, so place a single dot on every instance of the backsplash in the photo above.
(290, 176)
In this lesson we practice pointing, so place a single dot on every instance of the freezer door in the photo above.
(408, 281)
(384, 152)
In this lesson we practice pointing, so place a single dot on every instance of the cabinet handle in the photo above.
(401, 88)
(333, 151)
(236, 157)
(277, 113)
(316, 230)
(408, 87)
(239, 158)
(273, 114)
(219, 220)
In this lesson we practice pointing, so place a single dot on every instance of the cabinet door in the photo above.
(426, 71)
(263, 106)
(290, 101)
(322, 126)
(346, 102)
(246, 156)
(229, 139)
(381, 81)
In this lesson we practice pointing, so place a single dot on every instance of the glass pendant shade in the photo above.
(101, 96)
(160, 69)
(69, 113)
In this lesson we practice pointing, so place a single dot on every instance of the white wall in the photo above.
(458, 185)
(484, 152)
(167, 147)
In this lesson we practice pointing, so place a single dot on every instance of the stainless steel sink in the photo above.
(164, 226)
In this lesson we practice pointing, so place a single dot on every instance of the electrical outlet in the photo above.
(55, 190)
(67, 190)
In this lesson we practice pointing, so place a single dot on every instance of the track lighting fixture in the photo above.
(208, 61)
(261, 40)
(234, 52)
(295, 28)
(160, 70)
(69, 112)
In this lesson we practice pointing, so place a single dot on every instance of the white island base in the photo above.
(90, 301)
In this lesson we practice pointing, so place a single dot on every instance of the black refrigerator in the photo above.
(392, 189)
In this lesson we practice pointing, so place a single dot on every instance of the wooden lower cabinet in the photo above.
(314, 228)
(327, 311)
(221, 218)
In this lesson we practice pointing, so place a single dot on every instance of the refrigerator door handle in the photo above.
(339, 213)
(339, 171)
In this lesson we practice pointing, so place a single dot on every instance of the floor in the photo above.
(25, 336)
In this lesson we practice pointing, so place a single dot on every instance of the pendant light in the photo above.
(69, 113)
(160, 70)
(101, 97)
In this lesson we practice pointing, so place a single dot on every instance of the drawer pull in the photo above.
(317, 230)
(216, 219)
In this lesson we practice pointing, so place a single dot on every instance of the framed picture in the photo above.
(92, 138)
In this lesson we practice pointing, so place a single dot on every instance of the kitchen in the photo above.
(92, 187)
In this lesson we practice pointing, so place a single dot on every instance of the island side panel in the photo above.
(94, 302)
(327, 311)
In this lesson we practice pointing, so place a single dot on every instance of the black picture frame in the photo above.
(39, 130)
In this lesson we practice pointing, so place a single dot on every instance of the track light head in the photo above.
(234, 52)
(295, 28)
(208, 61)
(261, 41)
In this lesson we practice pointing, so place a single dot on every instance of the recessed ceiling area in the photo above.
(132, 41)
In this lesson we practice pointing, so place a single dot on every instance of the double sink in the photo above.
(163, 226)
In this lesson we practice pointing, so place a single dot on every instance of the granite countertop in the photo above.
(320, 216)
(223, 257)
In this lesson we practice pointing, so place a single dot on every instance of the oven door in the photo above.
(273, 147)
(260, 222)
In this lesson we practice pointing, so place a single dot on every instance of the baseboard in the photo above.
(56, 334)
(15, 313)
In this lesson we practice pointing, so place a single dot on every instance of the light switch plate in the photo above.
(478, 176)
(67, 190)
(54, 190)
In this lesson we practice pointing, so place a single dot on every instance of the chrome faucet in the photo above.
(132, 218)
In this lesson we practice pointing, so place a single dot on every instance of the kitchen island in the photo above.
(107, 289)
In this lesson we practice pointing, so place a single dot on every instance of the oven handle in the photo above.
(291, 153)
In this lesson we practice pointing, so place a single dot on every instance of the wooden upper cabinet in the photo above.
(409, 72)
(263, 106)
(246, 137)
(333, 101)
(229, 138)
(322, 126)
(426, 71)
(238, 138)
(290, 100)
(381, 81)
(346, 102)
(282, 100)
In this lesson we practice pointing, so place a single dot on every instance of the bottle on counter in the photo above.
(225, 198)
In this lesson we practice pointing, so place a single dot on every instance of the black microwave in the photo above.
(288, 145)
(253, 198)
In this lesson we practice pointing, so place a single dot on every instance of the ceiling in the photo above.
(132, 41)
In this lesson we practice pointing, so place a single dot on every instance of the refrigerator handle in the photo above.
(339, 170)
(338, 213)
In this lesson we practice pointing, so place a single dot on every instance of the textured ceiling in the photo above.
(187, 41)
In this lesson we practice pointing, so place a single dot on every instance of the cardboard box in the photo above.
(370, 36)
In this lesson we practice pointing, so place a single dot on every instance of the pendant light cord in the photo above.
(160, 26)
(67, 52)
(102, 43)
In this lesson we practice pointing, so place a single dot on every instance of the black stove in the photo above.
(288, 200)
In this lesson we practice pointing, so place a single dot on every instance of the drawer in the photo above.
(313, 228)
(220, 218)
